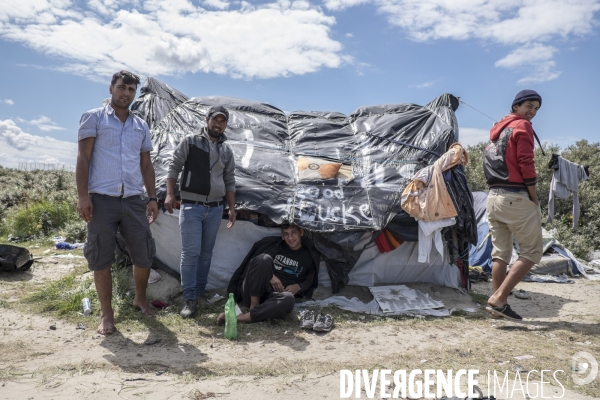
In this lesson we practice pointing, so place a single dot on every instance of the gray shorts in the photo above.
(128, 215)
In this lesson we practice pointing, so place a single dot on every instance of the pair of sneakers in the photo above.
(317, 322)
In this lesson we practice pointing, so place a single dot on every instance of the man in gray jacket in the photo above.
(208, 176)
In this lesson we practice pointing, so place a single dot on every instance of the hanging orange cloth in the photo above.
(392, 239)
(383, 244)
(426, 197)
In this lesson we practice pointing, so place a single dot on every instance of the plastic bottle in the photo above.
(87, 306)
(230, 319)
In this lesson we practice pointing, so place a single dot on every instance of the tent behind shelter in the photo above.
(556, 260)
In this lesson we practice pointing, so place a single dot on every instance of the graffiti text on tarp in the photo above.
(314, 204)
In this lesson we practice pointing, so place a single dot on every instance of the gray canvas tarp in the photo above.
(372, 267)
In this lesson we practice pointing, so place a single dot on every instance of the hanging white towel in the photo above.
(430, 232)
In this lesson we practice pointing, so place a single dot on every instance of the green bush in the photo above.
(40, 218)
(582, 239)
(25, 187)
(75, 231)
(46, 195)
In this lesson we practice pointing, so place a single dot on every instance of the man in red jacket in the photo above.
(512, 204)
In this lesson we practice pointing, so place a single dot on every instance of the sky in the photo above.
(57, 57)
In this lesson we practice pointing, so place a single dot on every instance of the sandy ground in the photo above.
(38, 362)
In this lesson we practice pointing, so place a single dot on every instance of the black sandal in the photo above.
(504, 311)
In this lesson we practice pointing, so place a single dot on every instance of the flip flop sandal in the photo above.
(522, 294)
(505, 311)
(495, 315)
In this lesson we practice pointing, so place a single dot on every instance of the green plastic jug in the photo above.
(230, 319)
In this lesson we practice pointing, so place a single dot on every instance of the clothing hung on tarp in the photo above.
(426, 197)
(565, 180)
(430, 233)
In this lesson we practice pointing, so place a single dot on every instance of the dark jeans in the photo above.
(257, 283)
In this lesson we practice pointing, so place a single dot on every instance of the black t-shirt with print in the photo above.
(294, 266)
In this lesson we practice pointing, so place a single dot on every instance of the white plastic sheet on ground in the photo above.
(353, 304)
(388, 301)
(400, 299)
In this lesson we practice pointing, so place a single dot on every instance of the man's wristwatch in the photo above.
(152, 199)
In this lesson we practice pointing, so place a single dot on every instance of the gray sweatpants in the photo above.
(257, 283)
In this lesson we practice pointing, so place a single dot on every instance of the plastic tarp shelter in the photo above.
(282, 162)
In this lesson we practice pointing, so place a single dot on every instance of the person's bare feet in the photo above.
(107, 326)
(144, 307)
(495, 300)
(243, 318)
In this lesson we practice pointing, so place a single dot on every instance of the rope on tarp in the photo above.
(412, 146)
(462, 102)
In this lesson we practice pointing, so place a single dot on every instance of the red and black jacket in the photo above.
(508, 159)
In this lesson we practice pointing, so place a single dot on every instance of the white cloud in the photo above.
(349, 35)
(154, 37)
(531, 53)
(361, 67)
(9, 102)
(536, 58)
(506, 22)
(473, 136)
(24, 147)
(218, 4)
(43, 123)
(105, 7)
(503, 21)
(46, 124)
(425, 85)
(343, 4)
(13, 135)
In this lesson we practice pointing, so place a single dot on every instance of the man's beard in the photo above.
(118, 104)
(213, 134)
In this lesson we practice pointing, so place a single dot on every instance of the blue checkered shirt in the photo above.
(115, 163)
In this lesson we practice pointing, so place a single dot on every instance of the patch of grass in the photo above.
(478, 298)
(63, 296)
(40, 218)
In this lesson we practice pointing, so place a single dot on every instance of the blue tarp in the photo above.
(481, 255)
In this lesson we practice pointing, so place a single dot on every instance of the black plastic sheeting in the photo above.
(337, 250)
(14, 258)
(384, 145)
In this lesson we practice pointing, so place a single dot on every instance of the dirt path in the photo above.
(43, 358)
